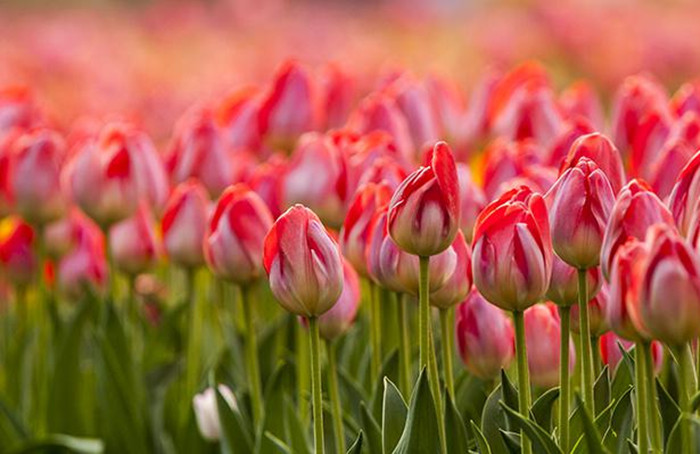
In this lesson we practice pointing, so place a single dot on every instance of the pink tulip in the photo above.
(17, 257)
(338, 320)
(611, 355)
(579, 207)
(686, 99)
(303, 263)
(18, 109)
(512, 252)
(678, 149)
(133, 243)
(233, 244)
(575, 128)
(485, 337)
(414, 101)
(237, 117)
(266, 181)
(603, 153)
(384, 170)
(62, 236)
(580, 100)
(85, 266)
(339, 91)
(424, 213)
(184, 224)
(504, 161)
(6, 200)
(563, 287)
(472, 200)
(459, 282)
(597, 310)
(652, 132)
(542, 338)
(685, 194)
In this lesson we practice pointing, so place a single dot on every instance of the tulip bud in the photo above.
(184, 224)
(458, 283)
(339, 91)
(611, 355)
(423, 216)
(686, 99)
(238, 118)
(338, 320)
(485, 337)
(17, 258)
(597, 310)
(652, 131)
(233, 245)
(512, 252)
(635, 210)
(504, 161)
(85, 265)
(563, 286)
(542, 338)
(580, 100)
(472, 200)
(413, 100)
(6, 201)
(266, 181)
(303, 263)
(669, 293)
(133, 243)
(575, 128)
(206, 411)
(450, 111)
(579, 206)
(18, 109)
(603, 153)
(384, 170)
(685, 194)
(355, 232)
(36, 176)
(61, 236)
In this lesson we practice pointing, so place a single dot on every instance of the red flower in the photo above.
(542, 338)
(184, 224)
(603, 153)
(17, 257)
(133, 243)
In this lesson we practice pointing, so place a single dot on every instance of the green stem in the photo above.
(685, 386)
(316, 385)
(253, 365)
(302, 363)
(335, 397)
(587, 358)
(641, 392)
(404, 346)
(43, 327)
(595, 350)
(447, 336)
(375, 332)
(565, 395)
(523, 374)
(652, 396)
(193, 343)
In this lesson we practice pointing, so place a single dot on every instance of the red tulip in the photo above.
(355, 232)
(238, 120)
(485, 337)
(512, 252)
(317, 176)
(477, 119)
(580, 100)
(62, 236)
(266, 180)
(635, 210)
(233, 244)
(611, 355)
(384, 170)
(36, 176)
(184, 224)
(685, 194)
(679, 148)
(133, 243)
(338, 320)
(575, 128)
(85, 265)
(597, 310)
(338, 95)
(450, 111)
(423, 216)
(414, 101)
(579, 207)
(622, 313)
(459, 282)
(563, 286)
(303, 263)
(537, 177)
(17, 258)
(6, 201)
(603, 153)
(472, 200)
(670, 288)
(542, 338)
(686, 99)
(652, 131)
(504, 161)
(18, 109)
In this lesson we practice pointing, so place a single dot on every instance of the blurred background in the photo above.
(151, 59)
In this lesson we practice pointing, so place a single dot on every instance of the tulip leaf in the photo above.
(356, 447)
(494, 419)
(540, 438)
(512, 441)
(455, 429)
(234, 435)
(695, 402)
(510, 393)
(471, 393)
(420, 434)
(371, 428)
(542, 408)
(278, 445)
(390, 369)
(295, 433)
(394, 413)
(621, 381)
(675, 444)
(481, 442)
(273, 421)
(61, 443)
(670, 412)
(11, 429)
(621, 424)
(601, 390)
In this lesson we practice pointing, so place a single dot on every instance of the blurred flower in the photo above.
(611, 355)
(61, 236)
(133, 243)
(18, 109)
(339, 90)
(597, 310)
(472, 200)
(184, 224)
(459, 282)
(542, 340)
(686, 99)
(580, 100)
(266, 180)
(685, 194)
(85, 266)
(563, 286)
(504, 161)
(338, 320)
(239, 124)
(414, 101)
(574, 128)
(17, 257)
(206, 411)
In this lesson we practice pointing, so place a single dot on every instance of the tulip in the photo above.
(85, 266)
(611, 355)
(184, 224)
(18, 109)
(423, 216)
(206, 411)
(563, 286)
(542, 332)
(266, 181)
(504, 161)
(133, 243)
(485, 337)
(575, 128)
(60, 237)
(413, 99)
(237, 117)
(36, 176)
(472, 200)
(339, 91)
(338, 320)
(580, 100)
(652, 131)
(317, 176)
(17, 257)
(384, 170)
(233, 244)
(450, 110)
(603, 153)
(458, 283)
(597, 310)
(6, 201)
(636, 208)
(685, 194)
(686, 99)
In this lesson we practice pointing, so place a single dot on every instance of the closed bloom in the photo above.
(635, 210)
(17, 258)
(423, 216)
(266, 181)
(670, 288)
(5, 186)
(85, 266)
(303, 263)
(611, 355)
(685, 194)
(338, 320)
(635, 98)
(603, 153)
(472, 200)
(512, 252)
(238, 119)
(457, 285)
(63, 235)
(184, 224)
(563, 286)
(542, 338)
(597, 310)
(206, 411)
(36, 176)
(233, 245)
(133, 243)
(485, 337)
(579, 206)
(355, 232)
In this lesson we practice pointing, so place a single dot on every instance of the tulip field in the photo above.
(227, 228)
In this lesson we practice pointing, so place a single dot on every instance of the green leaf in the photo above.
(296, 435)
(695, 402)
(356, 447)
(481, 443)
(234, 435)
(674, 444)
(542, 408)
(601, 390)
(279, 385)
(493, 419)
(394, 414)
(541, 441)
(11, 429)
(621, 381)
(670, 412)
(621, 424)
(371, 428)
(510, 394)
(390, 369)
(420, 433)
(277, 444)
(512, 441)
(56, 442)
(471, 393)
(456, 432)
